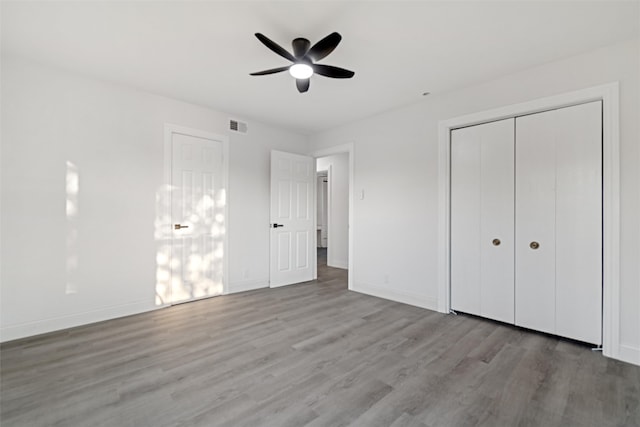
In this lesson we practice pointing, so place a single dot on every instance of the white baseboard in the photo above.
(422, 301)
(248, 285)
(629, 354)
(338, 263)
(23, 330)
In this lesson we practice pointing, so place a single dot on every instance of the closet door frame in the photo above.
(609, 95)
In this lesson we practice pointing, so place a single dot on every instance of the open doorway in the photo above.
(293, 228)
(322, 211)
(332, 217)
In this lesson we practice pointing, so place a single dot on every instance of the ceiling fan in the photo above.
(304, 59)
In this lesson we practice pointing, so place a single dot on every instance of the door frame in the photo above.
(167, 224)
(609, 95)
(348, 148)
(327, 207)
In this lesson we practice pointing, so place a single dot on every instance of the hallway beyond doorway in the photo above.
(330, 275)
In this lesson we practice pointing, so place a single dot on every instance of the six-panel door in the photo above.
(293, 179)
(198, 222)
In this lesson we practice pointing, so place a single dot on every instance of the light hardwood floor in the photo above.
(313, 354)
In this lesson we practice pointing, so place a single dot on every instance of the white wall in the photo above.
(396, 163)
(59, 272)
(338, 247)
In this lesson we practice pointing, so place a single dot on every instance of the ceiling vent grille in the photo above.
(238, 126)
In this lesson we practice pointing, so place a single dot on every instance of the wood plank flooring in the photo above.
(312, 354)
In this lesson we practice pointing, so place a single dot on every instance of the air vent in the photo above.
(237, 126)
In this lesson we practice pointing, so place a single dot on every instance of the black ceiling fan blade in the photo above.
(331, 71)
(271, 71)
(275, 47)
(302, 85)
(324, 47)
(300, 47)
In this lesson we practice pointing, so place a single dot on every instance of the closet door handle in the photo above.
(496, 242)
(534, 245)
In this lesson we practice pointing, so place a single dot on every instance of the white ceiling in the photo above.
(203, 52)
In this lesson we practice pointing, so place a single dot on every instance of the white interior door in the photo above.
(559, 222)
(482, 222)
(292, 218)
(198, 218)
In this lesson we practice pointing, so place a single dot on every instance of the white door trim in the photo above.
(609, 95)
(324, 211)
(340, 149)
(327, 219)
(169, 130)
(329, 215)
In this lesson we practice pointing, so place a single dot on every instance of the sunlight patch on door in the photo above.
(193, 227)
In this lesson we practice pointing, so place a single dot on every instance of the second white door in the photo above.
(292, 218)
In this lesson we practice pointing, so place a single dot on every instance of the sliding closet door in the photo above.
(482, 215)
(559, 222)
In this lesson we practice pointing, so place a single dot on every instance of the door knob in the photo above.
(278, 225)
(178, 226)
(534, 245)
(496, 242)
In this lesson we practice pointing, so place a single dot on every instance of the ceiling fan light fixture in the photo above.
(301, 71)
(304, 59)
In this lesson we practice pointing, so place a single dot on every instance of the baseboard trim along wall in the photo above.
(339, 263)
(629, 354)
(248, 285)
(422, 301)
(24, 330)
